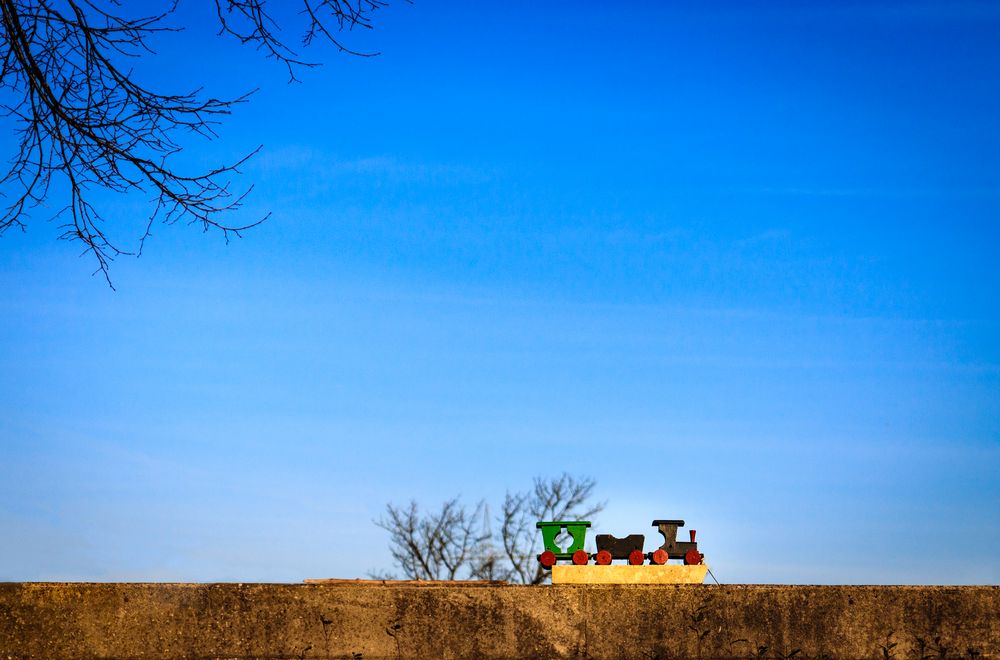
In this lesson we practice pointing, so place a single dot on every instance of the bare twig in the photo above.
(84, 121)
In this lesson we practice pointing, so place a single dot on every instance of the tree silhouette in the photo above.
(459, 541)
(83, 120)
(562, 498)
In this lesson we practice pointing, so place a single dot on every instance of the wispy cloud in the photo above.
(292, 159)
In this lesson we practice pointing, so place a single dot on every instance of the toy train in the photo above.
(610, 548)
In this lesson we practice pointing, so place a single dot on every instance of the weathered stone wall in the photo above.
(53, 620)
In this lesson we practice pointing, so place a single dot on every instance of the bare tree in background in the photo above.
(83, 121)
(459, 542)
(439, 545)
(565, 498)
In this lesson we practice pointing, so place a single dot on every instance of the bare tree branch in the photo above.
(458, 542)
(249, 21)
(83, 120)
(438, 545)
(561, 498)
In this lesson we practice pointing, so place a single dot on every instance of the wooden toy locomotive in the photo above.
(610, 548)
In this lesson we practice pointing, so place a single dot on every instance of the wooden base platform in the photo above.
(627, 574)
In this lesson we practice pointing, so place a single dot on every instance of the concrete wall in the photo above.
(53, 620)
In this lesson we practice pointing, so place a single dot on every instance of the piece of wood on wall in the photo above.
(407, 583)
(626, 574)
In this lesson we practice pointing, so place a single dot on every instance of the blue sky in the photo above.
(737, 264)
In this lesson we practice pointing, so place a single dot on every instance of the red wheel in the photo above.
(636, 557)
(547, 559)
(660, 557)
(692, 557)
(603, 558)
(580, 557)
